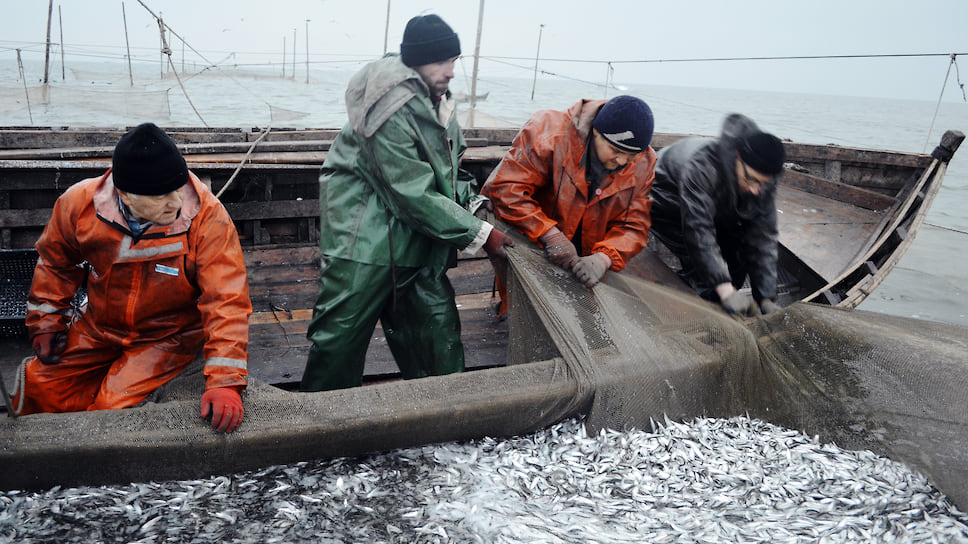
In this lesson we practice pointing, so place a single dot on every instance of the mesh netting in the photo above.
(13, 98)
(278, 115)
(143, 104)
(863, 380)
(641, 351)
(624, 353)
(137, 103)
(635, 349)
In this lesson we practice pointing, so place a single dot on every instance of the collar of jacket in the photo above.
(583, 115)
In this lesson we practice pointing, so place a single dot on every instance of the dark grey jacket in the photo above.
(696, 201)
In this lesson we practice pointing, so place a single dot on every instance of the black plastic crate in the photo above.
(16, 272)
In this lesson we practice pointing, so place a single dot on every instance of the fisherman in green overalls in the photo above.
(392, 218)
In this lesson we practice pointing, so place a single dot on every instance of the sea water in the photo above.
(928, 283)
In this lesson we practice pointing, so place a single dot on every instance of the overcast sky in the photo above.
(344, 33)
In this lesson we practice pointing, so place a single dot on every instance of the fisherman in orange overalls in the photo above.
(162, 265)
(577, 182)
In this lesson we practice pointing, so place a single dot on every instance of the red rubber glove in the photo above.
(559, 249)
(48, 346)
(225, 405)
(496, 242)
(590, 268)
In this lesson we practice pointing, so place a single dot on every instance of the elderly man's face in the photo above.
(161, 209)
(437, 76)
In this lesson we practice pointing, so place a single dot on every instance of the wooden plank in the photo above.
(24, 218)
(272, 209)
(283, 275)
(830, 152)
(196, 149)
(288, 278)
(280, 255)
(278, 344)
(314, 158)
(46, 137)
(244, 211)
(838, 191)
(472, 276)
(824, 233)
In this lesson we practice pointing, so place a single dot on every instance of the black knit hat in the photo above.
(626, 122)
(428, 39)
(147, 162)
(763, 152)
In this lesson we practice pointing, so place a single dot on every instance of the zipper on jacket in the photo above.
(449, 142)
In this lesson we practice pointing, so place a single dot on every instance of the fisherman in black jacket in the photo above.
(715, 209)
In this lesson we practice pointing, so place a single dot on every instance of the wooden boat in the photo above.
(848, 216)
(462, 98)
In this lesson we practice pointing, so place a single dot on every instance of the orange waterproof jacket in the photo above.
(541, 183)
(181, 281)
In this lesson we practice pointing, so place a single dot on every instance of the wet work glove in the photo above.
(738, 303)
(559, 249)
(590, 268)
(224, 404)
(767, 306)
(496, 242)
(48, 346)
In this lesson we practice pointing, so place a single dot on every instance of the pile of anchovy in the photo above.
(708, 480)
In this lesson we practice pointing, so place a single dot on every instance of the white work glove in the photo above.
(739, 303)
(590, 268)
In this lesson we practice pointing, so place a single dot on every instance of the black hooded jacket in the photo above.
(696, 201)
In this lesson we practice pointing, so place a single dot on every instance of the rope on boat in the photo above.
(167, 50)
(244, 160)
(949, 229)
(937, 108)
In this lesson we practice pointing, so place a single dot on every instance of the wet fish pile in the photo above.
(709, 480)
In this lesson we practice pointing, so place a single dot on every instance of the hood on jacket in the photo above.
(583, 115)
(736, 126)
(378, 90)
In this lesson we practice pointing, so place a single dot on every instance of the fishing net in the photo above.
(636, 350)
(123, 102)
(642, 351)
(278, 115)
(65, 98)
(623, 353)
(14, 99)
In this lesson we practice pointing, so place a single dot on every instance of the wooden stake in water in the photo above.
(60, 23)
(127, 44)
(477, 55)
(20, 64)
(50, 14)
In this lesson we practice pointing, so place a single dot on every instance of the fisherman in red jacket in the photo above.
(162, 265)
(577, 182)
